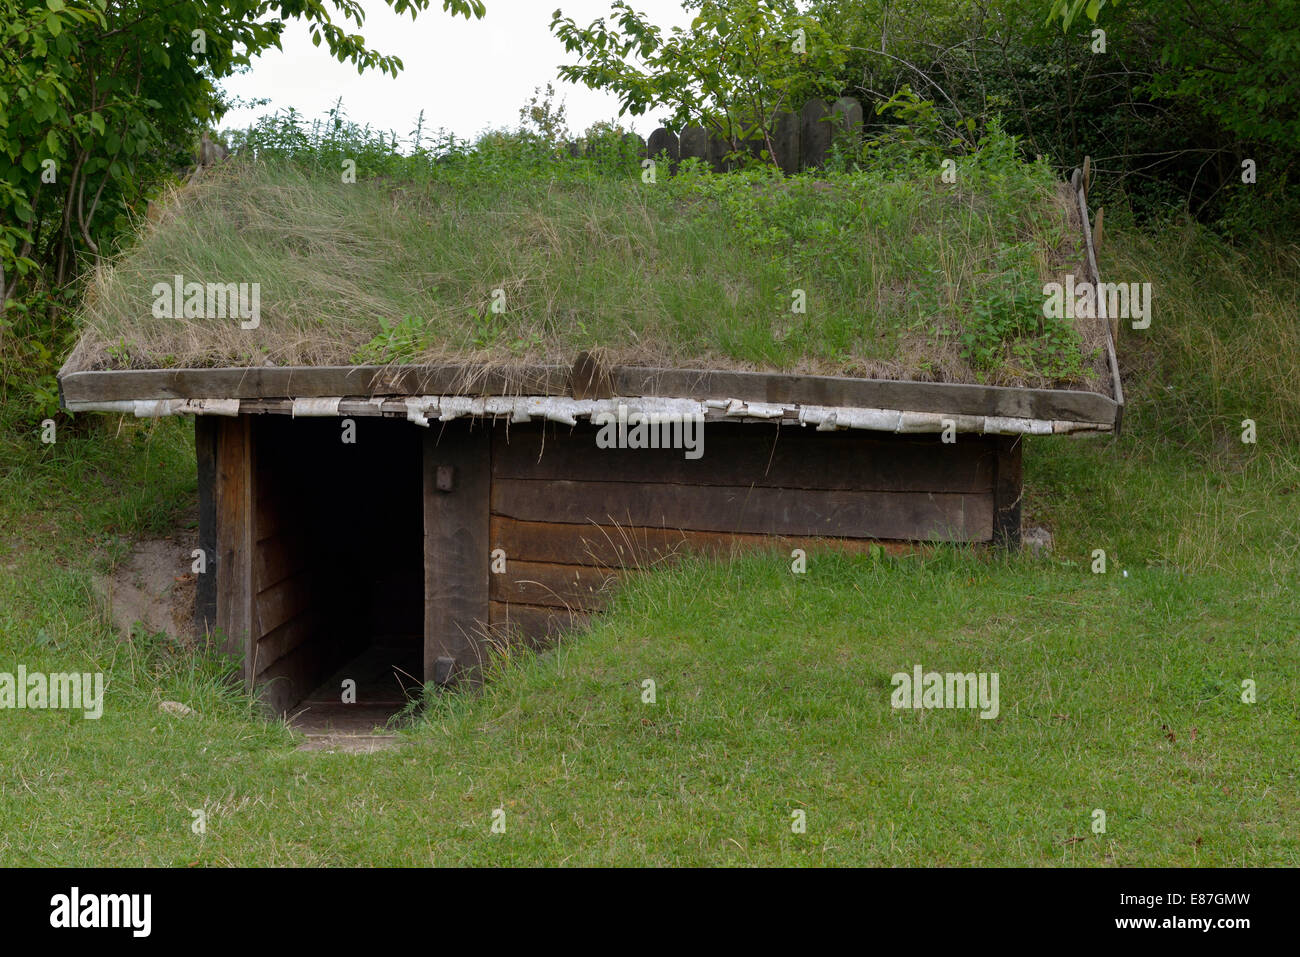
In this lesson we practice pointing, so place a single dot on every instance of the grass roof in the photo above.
(902, 275)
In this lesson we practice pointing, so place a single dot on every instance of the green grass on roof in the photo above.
(902, 275)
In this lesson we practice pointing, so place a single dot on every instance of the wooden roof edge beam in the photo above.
(568, 411)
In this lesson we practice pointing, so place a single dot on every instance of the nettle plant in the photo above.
(733, 71)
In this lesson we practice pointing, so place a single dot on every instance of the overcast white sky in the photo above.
(467, 75)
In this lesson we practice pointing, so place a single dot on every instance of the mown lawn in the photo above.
(773, 690)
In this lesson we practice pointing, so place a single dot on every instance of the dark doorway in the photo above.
(339, 569)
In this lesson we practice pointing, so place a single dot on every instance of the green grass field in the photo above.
(1119, 693)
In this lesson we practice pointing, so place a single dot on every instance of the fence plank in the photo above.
(235, 531)
(814, 134)
(664, 141)
(633, 546)
(785, 140)
(580, 587)
(534, 623)
(694, 143)
(847, 112)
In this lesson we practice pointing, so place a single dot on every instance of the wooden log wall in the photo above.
(573, 519)
(569, 520)
(800, 139)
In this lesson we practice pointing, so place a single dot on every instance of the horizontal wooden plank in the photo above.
(950, 397)
(282, 601)
(265, 382)
(534, 623)
(626, 546)
(290, 678)
(554, 585)
(274, 645)
(918, 516)
(277, 557)
(742, 455)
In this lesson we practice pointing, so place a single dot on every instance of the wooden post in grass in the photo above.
(457, 493)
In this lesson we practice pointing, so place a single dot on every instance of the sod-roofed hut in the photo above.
(427, 415)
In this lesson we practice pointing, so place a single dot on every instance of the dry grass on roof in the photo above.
(899, 276)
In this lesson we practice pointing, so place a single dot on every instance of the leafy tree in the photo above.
(1237, 61)
(1067, 11)
(99, 98)
(1168, 100)
(732, 71)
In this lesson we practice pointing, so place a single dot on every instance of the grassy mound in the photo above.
(1119, 692)
(886, 273)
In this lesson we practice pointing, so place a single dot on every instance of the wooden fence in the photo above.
(799, 140)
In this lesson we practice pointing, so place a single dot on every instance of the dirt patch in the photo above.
(342, 742)
(154, 587)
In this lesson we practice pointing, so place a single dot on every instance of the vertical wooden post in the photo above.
(234, 514)
(785, 139)
(664, 141)
(1008, 486)
(814, 134)
(694, 141)
(205, 588)
(634, 140)
(847, 113)
(457, 502)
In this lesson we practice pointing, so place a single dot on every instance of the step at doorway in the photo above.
(387, 676)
